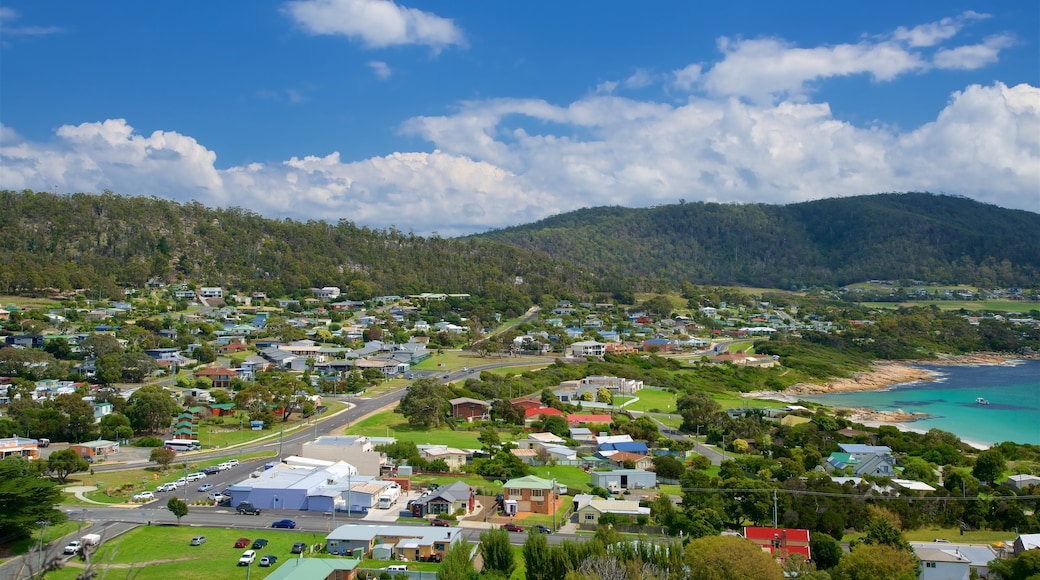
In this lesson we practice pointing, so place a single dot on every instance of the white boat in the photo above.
(981, 401)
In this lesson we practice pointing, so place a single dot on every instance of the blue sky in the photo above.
(457, 117)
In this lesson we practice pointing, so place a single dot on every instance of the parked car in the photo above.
(433, 558)
(440, 522)
(144, 496)
(268, 561)
(259, 543)
(223, 466)
(43, 442)
(180, 482)
(298, 548)
(284, 524)
(196, 476)
(198, 540)
(248, 508)
(73, 547)
(205, 487)
(217, 496)
(541, 529)
(241, 542)
(247, 558)
(232, 462)
(513, 528)
(211, 470)
(166, 487)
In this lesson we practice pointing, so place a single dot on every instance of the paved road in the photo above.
(711, 453)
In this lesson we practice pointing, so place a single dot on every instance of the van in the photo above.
(43, 442)
(397, 568)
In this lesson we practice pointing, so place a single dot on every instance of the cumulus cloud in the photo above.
(772, 69)
(984, 144)
(380, 69)
(374, 23)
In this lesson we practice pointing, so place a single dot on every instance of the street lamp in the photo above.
(43, 531)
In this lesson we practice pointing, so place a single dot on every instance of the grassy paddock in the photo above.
(395, 425)
(163, 552)
(653, 399)
(1020, 306)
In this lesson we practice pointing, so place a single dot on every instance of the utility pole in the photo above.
(185, 482)
(43, 531)
(281, 433)
(554, 502)
(774, 508)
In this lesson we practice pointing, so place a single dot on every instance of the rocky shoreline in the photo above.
(884, 375)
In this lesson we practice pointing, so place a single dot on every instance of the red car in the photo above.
(440, 522)
(242, 543)
(513, 528)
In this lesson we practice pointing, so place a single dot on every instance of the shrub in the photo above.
(148, 442)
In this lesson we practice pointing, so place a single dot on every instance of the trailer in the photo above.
(91, 540)
(389, 497)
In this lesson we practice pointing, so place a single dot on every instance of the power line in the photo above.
(775, 490)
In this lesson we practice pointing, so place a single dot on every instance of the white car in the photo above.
(73, 547)
(144, 496)
(224, 466)
(166, 487)
(181, 482)
(196, 476)
(232, 462)
(247, 558)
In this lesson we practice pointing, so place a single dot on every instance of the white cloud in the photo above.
(984, 144)
(687, 76)
(973, 56)
(763, 69)
(933, 33)
(639, 79)
(8, 28)
(380, 69)
(375, 23)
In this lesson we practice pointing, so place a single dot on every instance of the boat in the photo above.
(981, 401)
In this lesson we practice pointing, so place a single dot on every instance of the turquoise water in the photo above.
(1013, 391)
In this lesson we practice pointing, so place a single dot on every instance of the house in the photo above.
(939, 564)
(619, 479)
(459, 497)
(232, 348)
(637, 447)
(591, 508)
(531, 494)
(211, 292)
(26, 340)
(1022, 482)
(455, 458)
(978, 556)
(411, 543)
(100, 410)
(780, 542)
(1025, 542)
(540, 412)
(97, 448)
(326, 293)
(19, 447)
(357, 450)
(862, 460)
(469, 409)
(317, 569)
(577, 419)
(221, 377)
(637, 461)
(587, 348)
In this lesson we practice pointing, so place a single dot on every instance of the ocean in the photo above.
(1012, 389)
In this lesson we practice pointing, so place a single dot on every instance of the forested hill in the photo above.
(833, 241)
(105, 241)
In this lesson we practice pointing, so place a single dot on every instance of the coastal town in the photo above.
(511, 424)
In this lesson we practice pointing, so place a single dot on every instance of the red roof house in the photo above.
(576, 419)
(780, 542)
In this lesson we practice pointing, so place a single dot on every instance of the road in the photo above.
(711, 453)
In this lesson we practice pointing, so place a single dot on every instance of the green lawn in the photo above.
(163, 552)
(1021, 306)
(653, 399)
(951, 534)
(390, 424)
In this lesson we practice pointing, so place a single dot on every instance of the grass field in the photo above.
(951, 534)
(1020, 306)
(28, 303)
(653, 399)
(164, 552)
(390, 424)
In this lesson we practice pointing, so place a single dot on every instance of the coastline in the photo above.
(884, 375)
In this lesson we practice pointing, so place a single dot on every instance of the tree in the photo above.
(497, 552)
(26, 498)
(205, 354)
(110, 425)
(163, 457)
(457, 564)
(540, 562)
(1025, 566)
(66, 462)
(826, 551)
(603, 395)
(724, 557)
(80, 414)
(668, 467)
(698, 409)
(870, 562)
(557, 425)
(177, 507)
(989, 465)
(424, 403)
(150, 408)
(489, 440)
(882, 532)
(98, 345)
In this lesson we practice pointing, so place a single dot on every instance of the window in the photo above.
(513, 493)
(589, 517)
(539, 493)
(929, 564)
